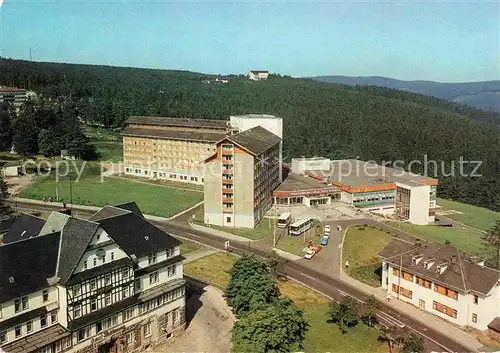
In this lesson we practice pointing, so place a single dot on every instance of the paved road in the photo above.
(328, 285)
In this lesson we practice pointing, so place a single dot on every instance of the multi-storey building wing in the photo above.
(240, 178)
(117, 284)
(443, 280)
(169, 148)
(15, 96)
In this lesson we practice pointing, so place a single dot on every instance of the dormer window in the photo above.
(152, 259)
(416, 259)
(441, 268)
(428, 263)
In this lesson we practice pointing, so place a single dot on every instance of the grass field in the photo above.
(296, 243)
(188, 246)
(467, 239)
(473, 216)
(89, 190)
(321, 336)
(361, 247)
(263, 230)
(108, 143)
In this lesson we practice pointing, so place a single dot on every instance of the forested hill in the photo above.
(319, 118)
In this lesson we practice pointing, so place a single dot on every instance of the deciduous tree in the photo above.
(370, 308)
(413, 344)
(252, 285)
(491, 240)
(345, 313)
(279, 327)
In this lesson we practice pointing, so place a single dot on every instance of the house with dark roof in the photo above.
(113, 283)
(257, 75)
(444, 280)
(240, 178)
(24, 226)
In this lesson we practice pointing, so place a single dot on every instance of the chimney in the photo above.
(453, 259)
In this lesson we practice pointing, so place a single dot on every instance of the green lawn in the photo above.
(473, 216)
(467, 239)
(89, 190)
(263, 230)
(188, 246)
(108, 143)
(296, 243)
(321, 336)
(169, 183)
(361, 247)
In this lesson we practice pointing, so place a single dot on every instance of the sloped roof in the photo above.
(29, 263)
(107, 212)
(256, 140)
(173, 134)
(130, 206)
(54, 223)
(25, 226)
(75, 238)
(463, 271)
(137, 236)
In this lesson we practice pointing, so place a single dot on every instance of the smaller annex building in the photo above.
(301, 190)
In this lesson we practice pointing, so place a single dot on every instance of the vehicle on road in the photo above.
(327, 228)
(312, 251)
(324, 239)
(301, 226)
(339, 228)
(284, 220)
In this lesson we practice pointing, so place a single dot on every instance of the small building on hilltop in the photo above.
(257, 75)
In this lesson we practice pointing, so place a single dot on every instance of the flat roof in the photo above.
(173, 135)
(256, 140)
(355, 173)
(297, 185)
(253, 116)
(180, 122)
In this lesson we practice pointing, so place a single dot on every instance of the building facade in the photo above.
(257, 75)
(240, 178)
(111, 284)
(442, 280)
(13, 96)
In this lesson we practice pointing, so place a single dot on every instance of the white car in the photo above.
(309, 254)
(327, 228)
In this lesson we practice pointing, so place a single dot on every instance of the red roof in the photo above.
(11, 89)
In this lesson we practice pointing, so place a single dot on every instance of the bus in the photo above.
(301, 226)
(284, 220)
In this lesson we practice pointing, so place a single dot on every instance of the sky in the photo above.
(454, 41)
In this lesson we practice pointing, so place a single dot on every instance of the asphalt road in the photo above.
(331, 287)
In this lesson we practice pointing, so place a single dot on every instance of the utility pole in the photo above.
(30, 54)
(274, 228)
(400, 273)
(70, 194)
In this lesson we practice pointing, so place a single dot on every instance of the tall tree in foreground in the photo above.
(4, 194)
(5, 129)
(252, 285)
(277, 328)
(370, 309)
(491, 240)
(345, 313)
(413, 344)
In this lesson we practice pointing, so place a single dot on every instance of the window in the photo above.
(98, 327)
(127, 314)
(43, 320)
(474, 318)
(228, 219)
(25, 303)
(93, 305)
(17, 330)
(3, 336)
(125, 273)
(80, 335)
(85, 264)
(92, 284)
(53, 317)
(152, 259)
(112, 256)
(107, 299)
(423, 282)
(129, 339)
(98, 236)
(95, 261)
(137, 284)
(147, 330)
(63, 344)
(107, 279)
(153, 277)
(45, 295)
(76, 290)
(175, 313)
(171, 270)
(444, 309)
(29, 326)
(125, 292)
(446, 291)
(407, 276)
(475, 300)
(77, 311)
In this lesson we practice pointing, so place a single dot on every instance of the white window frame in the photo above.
(147, 329)
(154, 277)
(77, 309)
(130, 337)
(45, 293)
(29, 326)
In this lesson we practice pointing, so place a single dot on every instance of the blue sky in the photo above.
(440, 41)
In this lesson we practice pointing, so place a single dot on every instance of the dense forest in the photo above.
(331, 120)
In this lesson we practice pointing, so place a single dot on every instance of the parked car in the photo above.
(327, 228)
(311, 252)
(324, 239)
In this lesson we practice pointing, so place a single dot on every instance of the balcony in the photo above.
(227, 209)
(227, 171)
(227, 181)
(227, 199)
(227, 191)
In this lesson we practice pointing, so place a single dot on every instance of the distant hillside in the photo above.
(481, 95)
(331, 120)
